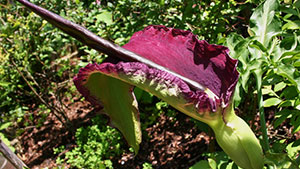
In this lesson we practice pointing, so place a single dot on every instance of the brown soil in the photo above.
(36, 143)
(170, 143)
(173, 143)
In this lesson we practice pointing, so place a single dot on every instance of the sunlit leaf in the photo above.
(279, 86)
(281, 117)
(288, 71)
(270, 92)
(291, 25)
(258, 46)
(4, 84)
(105, 17)
(297, 63)
(271, 102)
(287, 103)
(5, 125)
(292, 150)
(264, 23)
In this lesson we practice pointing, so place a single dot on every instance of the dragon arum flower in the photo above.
(110, 85)
(177, 58)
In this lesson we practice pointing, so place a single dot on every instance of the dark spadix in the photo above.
(193, 76)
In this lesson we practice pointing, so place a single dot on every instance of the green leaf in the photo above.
(271, 102)
(270, 92)
(242, 52)
(290, 92)
(231, 42)
(297, 107)
(297, 63)
(264, 23)
(161, 104)
(237, 95)
(286, 48)
(296, 143)
(7, 142)
(258, 46)
(279, 86)
(295, 121)
(5, 125)
(281, 117)
(119, 104)
(279, 160)
(288, 71)
(291, 25)
(287, 103)
(138, 93)
(289, 44)
(201, 165)
(292, 150)
(296, 3)
(105, 17)
(4, 84)
(289, 11)
(212, 163)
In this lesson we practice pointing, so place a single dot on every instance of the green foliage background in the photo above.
(36, 59)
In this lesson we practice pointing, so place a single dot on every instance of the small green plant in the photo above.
(215, 160)
(95, 146)
(269, 60)
(147, 166)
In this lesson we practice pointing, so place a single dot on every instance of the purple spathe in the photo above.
(181, 52)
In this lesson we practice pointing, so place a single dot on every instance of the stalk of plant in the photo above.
(193, 76)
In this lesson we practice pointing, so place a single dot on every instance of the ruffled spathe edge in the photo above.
(139, 74)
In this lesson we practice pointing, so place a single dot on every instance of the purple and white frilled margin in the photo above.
(181, 52)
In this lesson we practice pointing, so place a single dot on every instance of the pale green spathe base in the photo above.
(237, 139)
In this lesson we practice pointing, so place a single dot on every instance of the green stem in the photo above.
(265, 143)
(237, 140)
